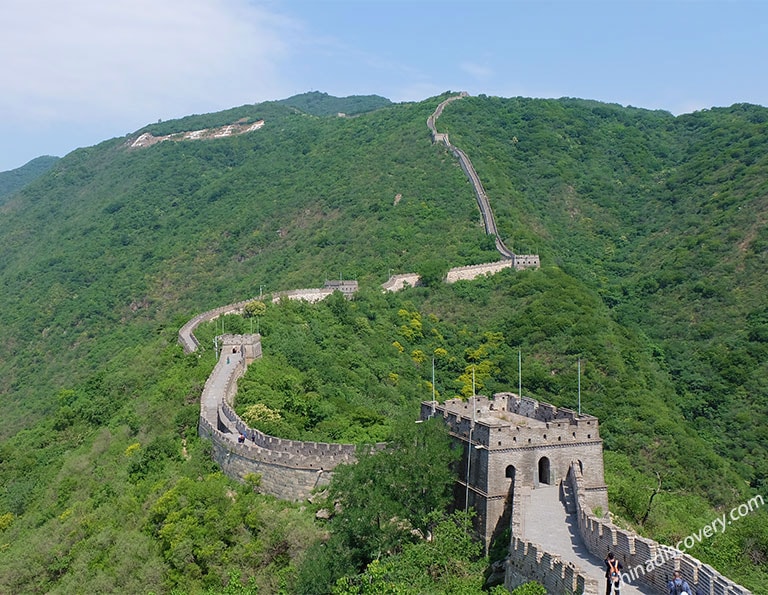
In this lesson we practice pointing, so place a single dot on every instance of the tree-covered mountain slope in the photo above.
(15, 179)
(114, 236)
(652, 241)
(665, 218)
(322, 104)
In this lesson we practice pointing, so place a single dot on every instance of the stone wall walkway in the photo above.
(547, 523)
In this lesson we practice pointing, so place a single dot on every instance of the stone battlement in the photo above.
(644, 560)
(289, 469)
(324, 453)
(510, 421)
(346, 287)
(472, 271)
(511, 443)
(528, 561)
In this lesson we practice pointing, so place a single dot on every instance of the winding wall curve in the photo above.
(291, 469)
(482, 198)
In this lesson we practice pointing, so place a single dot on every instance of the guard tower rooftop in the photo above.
(507, 420)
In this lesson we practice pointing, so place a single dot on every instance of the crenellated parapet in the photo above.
(400, 282)
(643, 560)
(327, 454)
(509, 421)
(289, 469)
(528, 561)
(190, 343)
(511, 443)
(187, 337)
(470, 272)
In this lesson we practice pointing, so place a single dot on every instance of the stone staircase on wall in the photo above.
(519, 261)
(646, 563)
(548, 544)
(551, 530)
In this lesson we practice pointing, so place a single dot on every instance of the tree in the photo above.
(433, 271)
(386, 498)
(531, 588)
(254, 308)
(449, 562)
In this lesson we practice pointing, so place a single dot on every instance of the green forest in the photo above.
(651, 229)
(14, 180)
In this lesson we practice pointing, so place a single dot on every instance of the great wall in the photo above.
(517, 452)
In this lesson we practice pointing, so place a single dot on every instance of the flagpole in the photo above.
(433, 385)
(579, 386)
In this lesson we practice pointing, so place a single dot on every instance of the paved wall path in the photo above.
(216, 387)
(466, 165)
(547, 523)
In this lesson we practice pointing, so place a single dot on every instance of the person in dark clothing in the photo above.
(612, 574)
(678, 585)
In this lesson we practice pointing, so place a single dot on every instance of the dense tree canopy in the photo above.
(651, 231)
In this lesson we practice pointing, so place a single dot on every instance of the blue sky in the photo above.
(78, 72)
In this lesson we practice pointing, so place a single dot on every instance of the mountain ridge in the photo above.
(108, 253)
(14, 180)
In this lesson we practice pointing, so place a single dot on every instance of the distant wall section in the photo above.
(489, 221)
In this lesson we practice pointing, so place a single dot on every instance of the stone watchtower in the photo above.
(511, 446)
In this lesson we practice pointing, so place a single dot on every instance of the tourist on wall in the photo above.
(678, 585)
(612, 574)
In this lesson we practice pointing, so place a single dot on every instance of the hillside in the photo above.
(667, 223)
(15, 179)
(651, 232)
(322, 104)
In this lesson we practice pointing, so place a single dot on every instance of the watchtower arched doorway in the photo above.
(544, 471)
(509, 501)
(505, 520)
